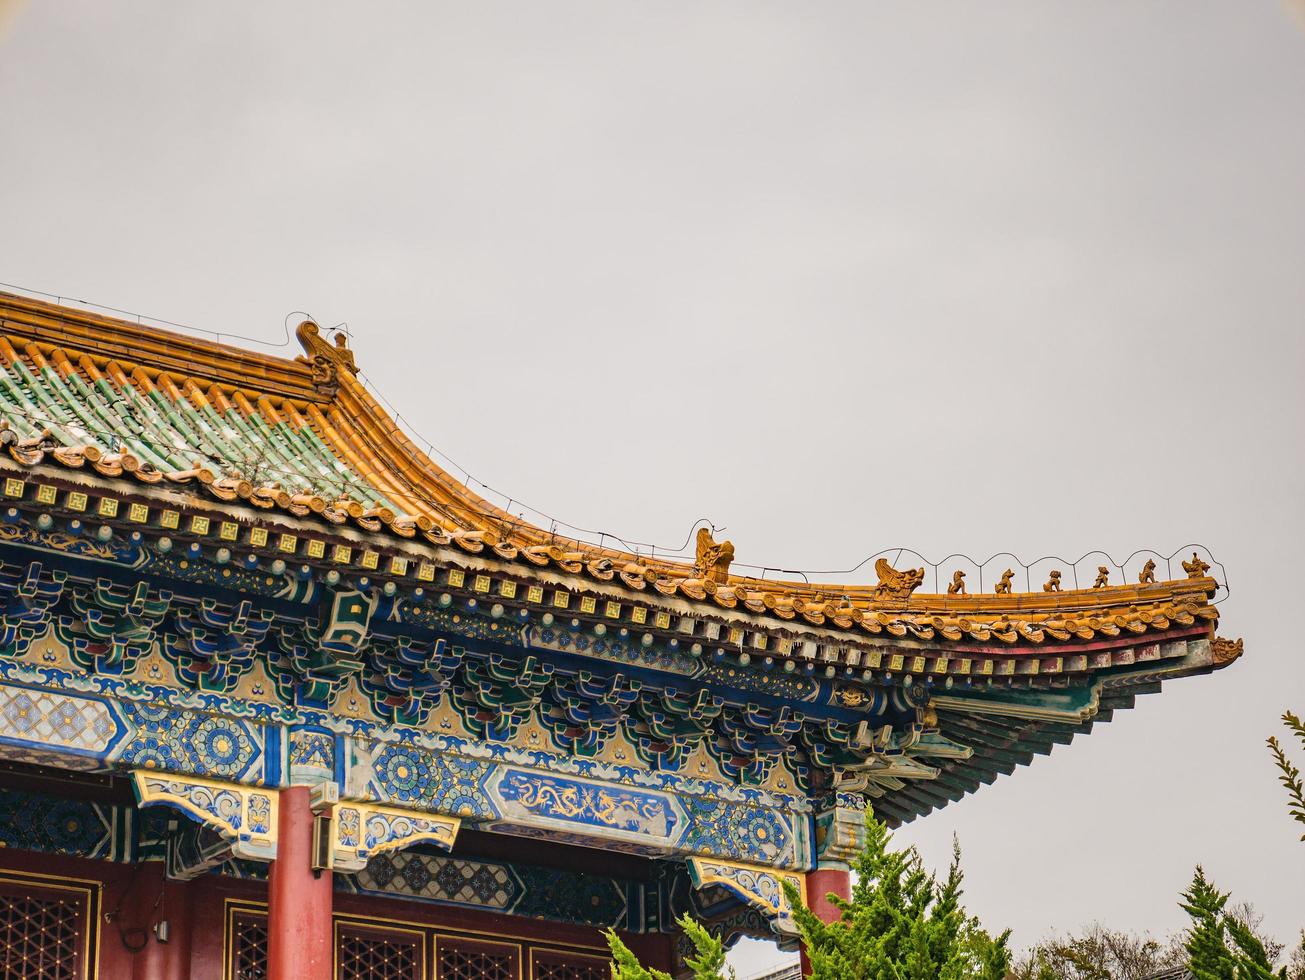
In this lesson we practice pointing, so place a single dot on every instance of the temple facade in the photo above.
(281, 698)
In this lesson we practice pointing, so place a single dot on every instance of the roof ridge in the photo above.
(329, 444)
(107, 338)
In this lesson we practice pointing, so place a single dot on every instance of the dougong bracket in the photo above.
(360, 831)
(757, 885)
(840, 832)
(246, 816)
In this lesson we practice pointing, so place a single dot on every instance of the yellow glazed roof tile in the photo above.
(304, 436)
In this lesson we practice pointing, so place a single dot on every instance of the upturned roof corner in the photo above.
(304, 437)
(325, 360)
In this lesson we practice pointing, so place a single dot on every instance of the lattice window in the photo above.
(368, 956)
(249, 947)
(40, 935)
(461, 959)
(556, 968)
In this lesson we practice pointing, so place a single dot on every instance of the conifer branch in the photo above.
(1289, 774)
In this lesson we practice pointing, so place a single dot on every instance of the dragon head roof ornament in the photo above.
(326, 360)
(896, 584)
(712, 562)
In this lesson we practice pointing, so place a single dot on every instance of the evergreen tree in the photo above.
(1207, 946)
(1220, 945)
(708, 964)
(901, 923)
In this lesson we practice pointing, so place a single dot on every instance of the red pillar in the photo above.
(819, 884)
(299, 935)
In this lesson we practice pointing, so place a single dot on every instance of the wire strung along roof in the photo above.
(1001, 677)
(305, 437)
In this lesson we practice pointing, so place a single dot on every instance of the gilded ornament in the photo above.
(958, 583)
(1148, 573)
(323, 369)
(1225, 651)
(1103, 577)
(713, 559)
(895, 584)
(326, 361)
(1052, 584)
(1196, 568)
(757, 885)
(852, 697)
(1003, 585)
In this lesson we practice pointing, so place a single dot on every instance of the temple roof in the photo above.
(912, 699)
(304, 436)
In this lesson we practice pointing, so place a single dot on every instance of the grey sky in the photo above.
(964, 277)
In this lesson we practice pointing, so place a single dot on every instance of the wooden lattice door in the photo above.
(474, 959)
(559, 966)
(44, 931)
(248, 946)
(379, 954)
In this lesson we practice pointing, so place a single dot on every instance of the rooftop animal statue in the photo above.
(894, 584)
(1052, 584)
(1103, 577)
(1003, 585)
(958, 583)
(1148, 573)
(1196, 568)
(713, 560)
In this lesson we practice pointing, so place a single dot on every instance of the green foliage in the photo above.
(1289, 774)
(1224, 940)
(625, 965)
(1207, 946)
(901, 923)
(707, 964)
(1222, 946)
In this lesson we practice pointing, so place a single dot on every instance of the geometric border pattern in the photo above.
(540, 893)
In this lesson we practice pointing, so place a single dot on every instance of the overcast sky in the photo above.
(962, 277)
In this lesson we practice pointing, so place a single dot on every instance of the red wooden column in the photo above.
(299, 933)
(820, 883)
